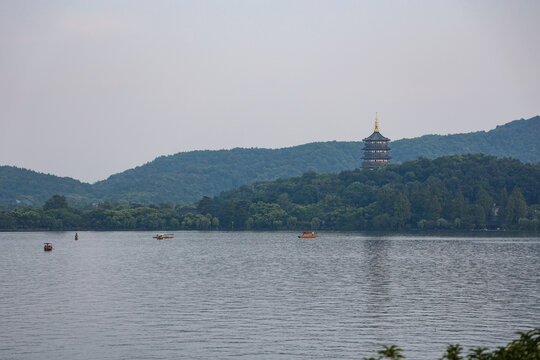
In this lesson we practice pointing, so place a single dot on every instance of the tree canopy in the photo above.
(454, 192)
(462, 192)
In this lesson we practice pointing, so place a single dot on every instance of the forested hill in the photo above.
(186, 177)
(32, 188)
(459, 192)
(518, 139)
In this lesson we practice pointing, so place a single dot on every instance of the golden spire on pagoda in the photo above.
(376, 123)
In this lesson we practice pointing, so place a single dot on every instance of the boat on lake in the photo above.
(163, 236)
(47, 247)
(308, 235)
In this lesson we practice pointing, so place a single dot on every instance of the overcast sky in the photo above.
(92, 88)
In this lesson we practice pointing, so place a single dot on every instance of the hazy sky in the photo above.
(91, 88)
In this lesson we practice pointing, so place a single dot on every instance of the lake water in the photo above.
(268, 295)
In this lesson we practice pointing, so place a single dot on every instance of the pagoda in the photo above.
(375, 149)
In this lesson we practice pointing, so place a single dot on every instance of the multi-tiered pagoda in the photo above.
(375, 149)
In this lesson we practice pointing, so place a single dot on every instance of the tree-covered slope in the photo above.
(186, 177)
(518, 139)
(459, 192)
(22, 186)
(451, 192)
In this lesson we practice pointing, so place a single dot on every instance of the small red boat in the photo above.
(163, 236)
(47, 247)
(308, 235)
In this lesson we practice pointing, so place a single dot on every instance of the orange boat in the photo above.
(47, 247)
(163, 236)
(308, 235)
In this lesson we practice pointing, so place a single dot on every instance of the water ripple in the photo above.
(261, 295)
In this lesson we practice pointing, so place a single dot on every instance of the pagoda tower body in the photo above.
(375, 149)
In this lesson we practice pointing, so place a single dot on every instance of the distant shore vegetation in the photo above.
(460, 192)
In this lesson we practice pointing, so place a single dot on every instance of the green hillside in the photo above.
(186, 177)
(22, 186)
(518, 139)
(458, 191)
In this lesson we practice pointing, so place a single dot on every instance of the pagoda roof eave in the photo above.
(376, 136)
(376, 158)
(382, 147)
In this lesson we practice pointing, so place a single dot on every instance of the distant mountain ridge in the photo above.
(518, 139)
(29, 187)
(186, 177)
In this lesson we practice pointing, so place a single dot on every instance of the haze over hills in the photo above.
(186, 177)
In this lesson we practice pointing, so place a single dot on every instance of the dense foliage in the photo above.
(527, 347)
(456, 192)
(56, 214)
(186, 177)
(517, 139)
(26, 187)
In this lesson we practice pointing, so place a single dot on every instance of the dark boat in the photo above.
(163, 236)
(47, 247)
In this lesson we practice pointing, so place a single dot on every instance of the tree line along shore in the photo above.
(459, 192)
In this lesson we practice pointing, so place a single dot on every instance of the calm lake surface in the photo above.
(219, 295)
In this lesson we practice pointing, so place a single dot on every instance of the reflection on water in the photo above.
(261, 295)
